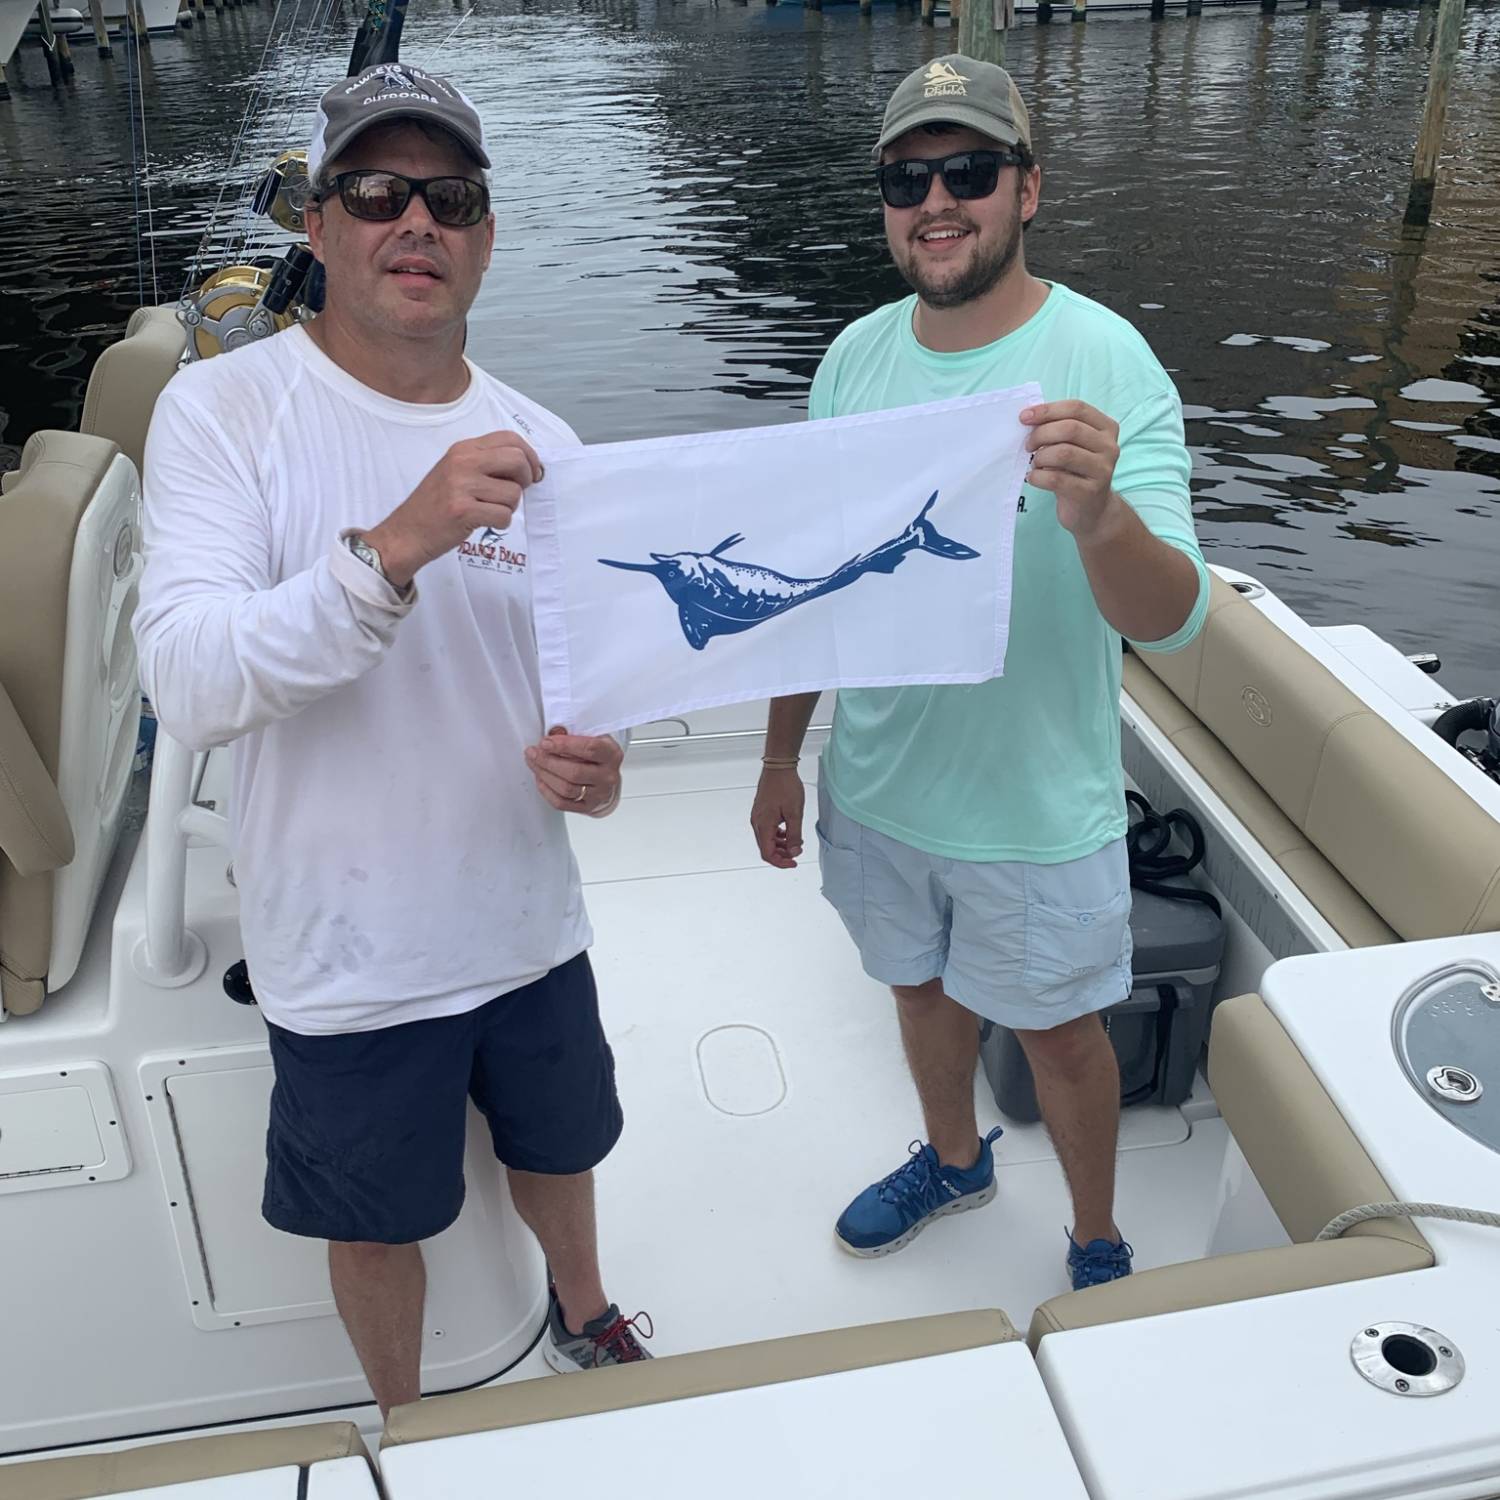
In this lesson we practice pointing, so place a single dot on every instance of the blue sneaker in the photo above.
(891, 1213)
(1097, 1262)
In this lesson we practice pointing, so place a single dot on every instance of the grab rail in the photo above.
(171, 954)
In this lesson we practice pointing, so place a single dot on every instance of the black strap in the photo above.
(1166, 1009)
(1148, 842)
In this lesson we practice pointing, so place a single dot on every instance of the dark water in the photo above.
(685, 220)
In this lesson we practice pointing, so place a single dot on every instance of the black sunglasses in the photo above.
(457, 202)
(966, 174)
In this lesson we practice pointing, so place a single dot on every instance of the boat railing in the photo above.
(171, 954)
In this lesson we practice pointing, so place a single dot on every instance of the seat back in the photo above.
(69, 701)
(129, 376)
(1401, 831)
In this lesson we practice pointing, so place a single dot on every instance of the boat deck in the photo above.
(764, 1084)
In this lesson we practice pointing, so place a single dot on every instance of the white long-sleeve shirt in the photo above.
(393, 856)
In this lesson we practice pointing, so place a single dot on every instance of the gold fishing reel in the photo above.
(282, 193)
(250, 301)
(229, 310)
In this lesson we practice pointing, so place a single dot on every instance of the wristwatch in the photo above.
(361, 548)
(366, 554)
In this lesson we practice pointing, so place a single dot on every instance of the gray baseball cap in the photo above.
(392, 91)
(957, 90)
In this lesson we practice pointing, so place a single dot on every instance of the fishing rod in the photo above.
(255, 297)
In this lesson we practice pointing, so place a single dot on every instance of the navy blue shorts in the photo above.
(366, 1140)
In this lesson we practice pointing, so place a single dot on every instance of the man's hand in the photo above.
(577, 773)
(776, 816)
(1075, 448)
(477, 482)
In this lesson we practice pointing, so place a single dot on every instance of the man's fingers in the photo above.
(551, 797)
(1061, 411)
(493, 448)
(488, 490)
(1066, 458)
(561, 786)
(596, 750)
(1096, 439)
(1064, 485)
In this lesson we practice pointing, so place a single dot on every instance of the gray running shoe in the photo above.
(608, 1340)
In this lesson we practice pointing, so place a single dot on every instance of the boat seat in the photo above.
(85, 1476)
(1308, 1162)
(1379, 839)
(69, 703)
(678, 1376)
(129, 376)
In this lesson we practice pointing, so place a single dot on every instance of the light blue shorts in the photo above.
(1027, 945)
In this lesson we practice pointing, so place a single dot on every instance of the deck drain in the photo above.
(1407, 1359)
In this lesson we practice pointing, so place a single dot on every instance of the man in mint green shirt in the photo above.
(972, 838)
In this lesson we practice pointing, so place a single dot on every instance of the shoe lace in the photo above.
(619, 1339)
(1096, 1267)
(914, 1184)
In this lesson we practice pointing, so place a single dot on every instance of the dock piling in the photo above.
(1430, 142)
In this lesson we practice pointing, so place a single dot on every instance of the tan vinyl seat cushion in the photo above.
(86, 1475)
(678, 1376)
(1311, 1167)
(40, 511)
(129, 376)
(1322, 781)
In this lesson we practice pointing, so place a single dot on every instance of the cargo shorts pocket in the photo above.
(1077, 919)
(841, 865)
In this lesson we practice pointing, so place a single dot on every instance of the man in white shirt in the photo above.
(336, 583)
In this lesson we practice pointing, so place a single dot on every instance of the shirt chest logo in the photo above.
(489, 551)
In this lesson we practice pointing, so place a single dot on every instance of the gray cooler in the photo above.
(1158, 1031)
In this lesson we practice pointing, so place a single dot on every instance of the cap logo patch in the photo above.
(942, 80)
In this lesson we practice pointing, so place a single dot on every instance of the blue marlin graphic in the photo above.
(716, 596)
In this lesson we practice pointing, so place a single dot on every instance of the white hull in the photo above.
(159, 15)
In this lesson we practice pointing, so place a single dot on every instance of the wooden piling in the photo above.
(866, 7)
(4, 84)
(1043, 12)
(929, 8)
(65, 55)
(59, 57)
(135, 19)
(1268, 7)
(1195, 7)
(101, 29)
(1158, 10)
(981, 28)
(1080, 10)
(1450, 23)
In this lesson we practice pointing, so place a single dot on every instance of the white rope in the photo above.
(1367, 1211)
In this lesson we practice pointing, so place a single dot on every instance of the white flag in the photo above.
(680, 573)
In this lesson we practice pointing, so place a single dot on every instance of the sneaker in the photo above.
(608, 1340)
(891, 1213)
(1097, 1262)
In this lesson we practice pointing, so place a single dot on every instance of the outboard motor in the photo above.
(1474, 716)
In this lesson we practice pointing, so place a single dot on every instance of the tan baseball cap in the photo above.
(957, 90)
(391, 91)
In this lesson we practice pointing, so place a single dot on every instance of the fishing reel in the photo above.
(281, 195)
(229, 310)
(250, 301)
(1474, 716)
